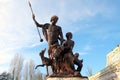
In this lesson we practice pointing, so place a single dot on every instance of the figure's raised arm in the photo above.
(33, 15)
(36, 23)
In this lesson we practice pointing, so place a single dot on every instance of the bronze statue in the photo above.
(52, 32)
(61, 57)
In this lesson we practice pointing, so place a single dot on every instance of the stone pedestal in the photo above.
(66, 78)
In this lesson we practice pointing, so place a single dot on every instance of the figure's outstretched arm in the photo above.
(33, 16)
(36, 23)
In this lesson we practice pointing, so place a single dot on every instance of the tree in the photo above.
(26, 71)
(38, 75)
(31, 69)
(16, 66)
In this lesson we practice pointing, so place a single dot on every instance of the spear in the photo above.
(41, 40)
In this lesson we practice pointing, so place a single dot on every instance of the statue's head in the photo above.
(76, 54)
(69, 35)
(54, 19)
(42, 52)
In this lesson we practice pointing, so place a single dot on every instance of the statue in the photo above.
(52, 32)
(61, 57)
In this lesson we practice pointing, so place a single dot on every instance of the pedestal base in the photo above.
(67, 78)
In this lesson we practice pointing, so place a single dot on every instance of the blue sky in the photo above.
(95, 25)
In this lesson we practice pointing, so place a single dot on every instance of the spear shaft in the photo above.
(36, 25)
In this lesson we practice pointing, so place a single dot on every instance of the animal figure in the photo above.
(45, 61)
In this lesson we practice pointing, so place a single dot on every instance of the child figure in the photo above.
(78, 62)
(68, 54)
(69, 43)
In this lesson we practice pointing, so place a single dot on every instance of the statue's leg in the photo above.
(80, 65)
(71, 61)
(47, 70)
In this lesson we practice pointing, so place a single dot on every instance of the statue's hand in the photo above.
(33, 16)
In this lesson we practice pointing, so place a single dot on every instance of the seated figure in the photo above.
(69, 43)
(78, 62)
(68, 54)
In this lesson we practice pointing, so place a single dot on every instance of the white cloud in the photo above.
(4, 68)
(71, 10)
(15, 27)
(87, 48)
(5, 59)
(16, 31)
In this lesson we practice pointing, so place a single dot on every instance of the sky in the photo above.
(95, 25)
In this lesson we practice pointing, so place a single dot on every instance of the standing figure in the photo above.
(52, 32)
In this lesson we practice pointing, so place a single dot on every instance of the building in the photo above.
(112, 69)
